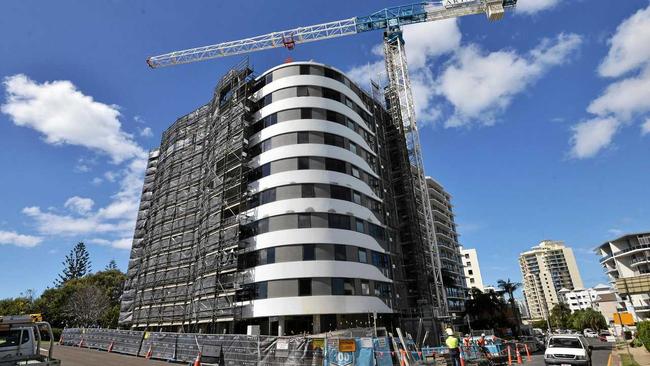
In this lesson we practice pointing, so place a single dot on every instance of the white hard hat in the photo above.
(482, 334)
(450, 331)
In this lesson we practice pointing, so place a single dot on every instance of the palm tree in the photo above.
(510, 287)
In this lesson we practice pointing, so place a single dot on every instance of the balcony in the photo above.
(625, 251)
(638, 261)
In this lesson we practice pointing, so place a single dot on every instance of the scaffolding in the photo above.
(183, 266)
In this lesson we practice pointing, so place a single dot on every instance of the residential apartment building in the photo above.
(546, 269)
(281, 203)
(449, 248)
(472, 269)
(626, 261)
(584, 298)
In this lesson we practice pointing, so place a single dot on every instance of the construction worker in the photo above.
(452, 343)
(467, 341)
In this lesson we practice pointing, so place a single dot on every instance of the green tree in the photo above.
(560, 315)
(510, 287)
(76, 264)
(111, 265)
(643, 329)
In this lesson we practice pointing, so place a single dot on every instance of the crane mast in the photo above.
(398, 92)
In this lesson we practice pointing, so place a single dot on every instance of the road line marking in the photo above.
(609, 360)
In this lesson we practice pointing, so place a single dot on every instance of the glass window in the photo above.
(365, 288)
(356, 197)
(363, 255)
(359, 226)
(339, 252)
(324, 252)
(266, 170)
(304, 69)
(303, 91)
(340, 193)
(308, 190)
(348, 286)
(304, 287)
(268, 78)
(303, 163)
(308, 252)
(335, 165)
(288, 115)
(338, 286)
(305, 113)
(304, 220)
(317, 113)
(356, 173)
(270, 255)
(261, 290)
(337, 221)
(303, 137)
(353, 147)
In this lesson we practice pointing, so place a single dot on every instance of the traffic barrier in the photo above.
(528, 358)
(159, 345)
(509, 356)
(519, 361)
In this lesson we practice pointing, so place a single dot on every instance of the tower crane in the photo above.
(398, 92)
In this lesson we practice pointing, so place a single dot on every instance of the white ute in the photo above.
(568, 350)
(20, 341)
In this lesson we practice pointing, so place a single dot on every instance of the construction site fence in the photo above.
(234, 349)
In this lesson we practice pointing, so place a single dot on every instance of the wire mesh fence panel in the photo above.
(160, 345)
(71, 336)
(126, 341)
(297, 351)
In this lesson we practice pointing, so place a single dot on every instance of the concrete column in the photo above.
(281, 326)
(316, 327)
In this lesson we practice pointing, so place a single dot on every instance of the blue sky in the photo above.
(538, 125)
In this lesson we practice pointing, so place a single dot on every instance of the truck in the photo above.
(20, 341)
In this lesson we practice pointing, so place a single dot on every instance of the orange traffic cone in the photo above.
(462, 357)
(61, 340)
(110, 347)
(197, 362)
(527, 353)
(519, 361)
(81, 343)
(509, 356)
(149, 353)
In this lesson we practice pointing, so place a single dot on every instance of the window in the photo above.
(470, 272)
(356, 173)
(335, 165)
(261, 290)
(363, 255)
(304, 69)
(304, 287)
(305, 113)
(353, 147)
(348, 286)
(365, 288)
(303, 91)
(308, 252)
(304, 220)
(356, 197)
(337, 221)
(337, 286)
(339, 252)
(471, 280)
(303, 137)
(303, 163)
(468, 264)
(270, 255)
(359, 226)
(467, 255)
(308, 191)
(340, 193)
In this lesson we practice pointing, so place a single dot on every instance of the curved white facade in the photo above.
(316, 246)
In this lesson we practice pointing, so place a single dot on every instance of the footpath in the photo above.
(640, 355)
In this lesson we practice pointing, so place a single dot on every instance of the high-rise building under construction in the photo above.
(285, 202)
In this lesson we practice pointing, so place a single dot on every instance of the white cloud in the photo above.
(146, 132)
(645, 127)
(19, 240)
(64, 115)
(480, 85)
(629, 47)
(79, 205)
(97, 181)
(371, 71)
(591, 136)
(426, 41)
(534, 6)
(124, 243)
(624, 100)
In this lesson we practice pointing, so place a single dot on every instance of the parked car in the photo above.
(568, 349)
(606, 336)
(590, 333)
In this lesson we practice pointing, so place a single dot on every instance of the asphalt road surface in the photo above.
(73, 356)
(600, 354)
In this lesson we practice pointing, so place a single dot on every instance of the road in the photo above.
(600, 354)
(73, 356)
